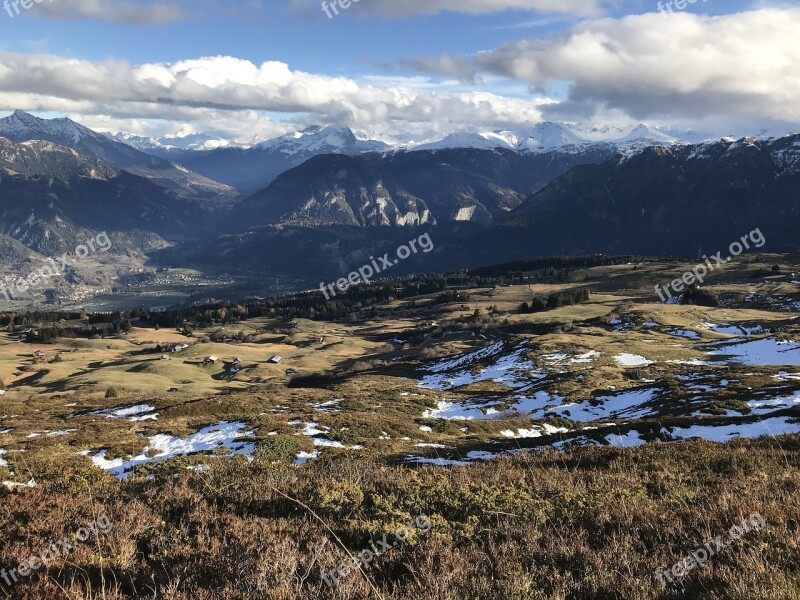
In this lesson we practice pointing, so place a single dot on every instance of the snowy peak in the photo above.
(39, 157)
(317, 139)
(21, 126)
(181, 141)
(463, 139)
(548, 137)
(643, 133)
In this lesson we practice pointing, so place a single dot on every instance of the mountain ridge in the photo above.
(24, 127)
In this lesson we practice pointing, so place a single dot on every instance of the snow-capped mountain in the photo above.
(253, 169)
(23, 127)
(317, 139)
(465, 139)
(643, 133)
(181, 141)
(548, 136)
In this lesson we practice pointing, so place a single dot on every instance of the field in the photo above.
(553, 454)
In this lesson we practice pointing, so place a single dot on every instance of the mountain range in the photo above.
(253, 168)
(23, 127)
(333, 199)
(51, 195)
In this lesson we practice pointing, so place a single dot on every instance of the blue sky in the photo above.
(438, 66)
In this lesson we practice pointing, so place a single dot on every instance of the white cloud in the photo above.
(683, 66)
(218, 91)
(118, 11)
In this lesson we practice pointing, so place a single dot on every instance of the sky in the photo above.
(253, 69)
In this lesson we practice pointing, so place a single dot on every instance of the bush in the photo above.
(112, 392)
(280, 448)
(699, 297)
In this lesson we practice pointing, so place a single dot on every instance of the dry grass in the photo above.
(593, 524)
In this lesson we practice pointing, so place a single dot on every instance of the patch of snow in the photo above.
(560, 357)
(632, 360)
(326, 443)
(326, 406)
(762, 352)
(692, 363)
(469, 410)
(133, 413)
(480, 455)
(511, 370)
(766, 406)
(303, 457)
(629, 405)
(781, 376)
(164, 447)
(466, 359)
(438, 462)
(12, 485)
(725, 433)
(626, 440)
(522, 433)
(685, 333)
(729, 329)
(61, 432)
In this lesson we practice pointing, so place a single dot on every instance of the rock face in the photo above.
(409, 188)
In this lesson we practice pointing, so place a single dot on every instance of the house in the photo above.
(237, 360)
(2, 392)
(178, 347)
(40, 355)
(210, 360)
(275, 360)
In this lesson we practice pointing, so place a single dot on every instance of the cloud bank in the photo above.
(117, 11)
(685, 66)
